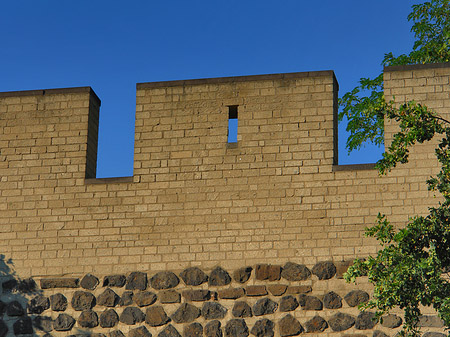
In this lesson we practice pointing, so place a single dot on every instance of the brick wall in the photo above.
(194, 199)
(275, 196)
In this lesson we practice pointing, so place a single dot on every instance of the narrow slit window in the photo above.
(232, 123)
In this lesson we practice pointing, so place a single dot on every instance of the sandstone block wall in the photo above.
(275, 196)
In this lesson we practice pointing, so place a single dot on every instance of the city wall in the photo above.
(273, 203)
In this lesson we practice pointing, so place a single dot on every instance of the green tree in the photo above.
(411, 267)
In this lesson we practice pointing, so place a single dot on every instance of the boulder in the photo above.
(169, 331)
(332, 300)
(213, 310)
(89, 282)
(295, 272)
(316, 324)
(114, 281)
(58, 302)
(241, 309)
(341, 322)
(263, 328)
(186, 313)
(242, 275)
(288, 303)
(156, 316)
(219, 277)
(289, 326)
(131, 316)
(88, 319)
(193, 330)
(236, 328)
(108, 298)
(83, 300)
(63, 322)
(109, 318)
(144, 298)
(193, 276)
(324, 270)
(212, 329)
(164, 280)
(136, 281)
(264, 306)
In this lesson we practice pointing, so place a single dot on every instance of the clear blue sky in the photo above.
(112, 45)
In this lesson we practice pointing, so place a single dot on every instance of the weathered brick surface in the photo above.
(274, 197)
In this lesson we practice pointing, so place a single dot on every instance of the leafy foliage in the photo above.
(365, 113)
(411, 269)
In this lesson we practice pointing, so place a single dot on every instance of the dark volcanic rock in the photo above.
(136, 281)
(258, 290)
(231, 293)
(365, 320)
(295, 272)
(3, 328)
(264, 306)
(144, 298)
(2, 307)
(156, 316)
(116, 333)
(89, 282)
(316, 324)
(88, 319)
(236, 328)
(219, 277)
(83, 300)
(63, 322)
(341, 268)
(131, 315)
(242, 275)
(433, 334)
(324, 270)
(332, 300)
(169, 331)
(43, 323)
(341, 322)
(197, 295)
(430, 322)
(391, 321)
(108, 298)
(241, 309)
(213, 310)
(58, 302)
(126, 299)
(356, 297)
(291, 290)
(277, 289)
(186, 313)
(10, 285)
(14, 308)
(23, 326)
(164, 280)
(263, 328)
(193, 276)
(59, 283)
(109, 318)
(169, 296)
(139, 332)
(212, 329)
(114, 281)
(289, 326)
(267, 272)
(193, 330)
(38, 305)
(310, 302)
(288, 303)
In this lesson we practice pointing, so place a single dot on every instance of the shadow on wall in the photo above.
(21, 304)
